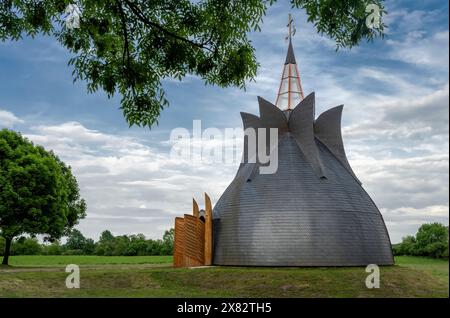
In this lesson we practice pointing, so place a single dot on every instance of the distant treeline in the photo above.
(430, 240)
(108, 245)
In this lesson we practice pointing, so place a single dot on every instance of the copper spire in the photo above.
(290, 92)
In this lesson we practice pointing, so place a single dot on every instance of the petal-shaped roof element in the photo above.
(301, 125)
(248, 166)
(271, 116)
(250, 121)
(327, 129)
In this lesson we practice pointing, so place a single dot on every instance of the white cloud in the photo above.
(8, 119)
(405, 116)
(422, 50)
(130, 187)
(405, 20)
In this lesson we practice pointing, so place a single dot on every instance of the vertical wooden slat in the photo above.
(208, 230)
(195, 209)
(178, 246)
(194, 245)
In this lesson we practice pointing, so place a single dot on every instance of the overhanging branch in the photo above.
(150, 23)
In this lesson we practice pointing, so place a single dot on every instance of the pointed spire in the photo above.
(290, 92)
(290, 57)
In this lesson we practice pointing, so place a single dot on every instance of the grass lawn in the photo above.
(51, 260)
(153, 276)
(438, 268)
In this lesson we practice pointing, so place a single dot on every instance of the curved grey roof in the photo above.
(311, 212)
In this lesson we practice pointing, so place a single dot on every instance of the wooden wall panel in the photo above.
(178, 246)
(193, 238)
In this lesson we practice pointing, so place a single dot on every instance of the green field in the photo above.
(153, 276)
(39, 260)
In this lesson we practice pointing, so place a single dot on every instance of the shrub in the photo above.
(437, 250)
(26, 246)
(54, 248)
(89, 247)
(430, 240)
(108, 245)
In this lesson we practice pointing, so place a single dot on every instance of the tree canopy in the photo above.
(129, 47)
(38, 193)
(430, 240)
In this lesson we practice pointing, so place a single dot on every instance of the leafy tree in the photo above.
(437, 250)
(105, 245)
(106, 236)
(168, 238)
(137, 245)
(75, 240)
(432, 240)
(26, 246)
(89, 247)
(153, 247)
(121, 244)
(99, 250)
(54, 248)
(406, 247)
(129, 47)
(38, 193)
(344, 20)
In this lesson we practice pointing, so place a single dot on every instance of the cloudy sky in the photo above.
(395, 121)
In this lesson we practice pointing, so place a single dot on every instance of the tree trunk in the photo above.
(7, 251)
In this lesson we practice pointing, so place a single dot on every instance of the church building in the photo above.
(313, 211)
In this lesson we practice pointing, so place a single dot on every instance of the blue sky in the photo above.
(395, 121)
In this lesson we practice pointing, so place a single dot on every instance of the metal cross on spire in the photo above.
(291, 28)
